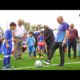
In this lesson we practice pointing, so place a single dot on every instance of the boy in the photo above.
(24, 43)
(7, 47)
(41, 45)
(31, 45)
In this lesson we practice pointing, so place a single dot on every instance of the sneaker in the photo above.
(61, 65)
(46, 62)
(4, 68)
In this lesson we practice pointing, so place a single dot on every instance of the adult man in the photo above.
(60, 41)
(19, 33)
(72, 40)
(49, 38)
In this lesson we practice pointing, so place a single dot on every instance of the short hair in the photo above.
(30, 32)
(12, 24)
(59, 17)
(45, 26)
(41, 32)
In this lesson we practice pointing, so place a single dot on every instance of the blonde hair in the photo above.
(60, 17)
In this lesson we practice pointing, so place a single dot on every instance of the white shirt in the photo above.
(19, 32)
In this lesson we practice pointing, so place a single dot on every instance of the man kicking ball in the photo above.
(60, 41)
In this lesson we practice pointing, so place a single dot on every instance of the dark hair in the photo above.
(41, 32)
(46, 27)
(12, 24)
(30, 32)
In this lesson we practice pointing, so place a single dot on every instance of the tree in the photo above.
(27, 26)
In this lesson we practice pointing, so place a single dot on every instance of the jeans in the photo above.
(72, 44)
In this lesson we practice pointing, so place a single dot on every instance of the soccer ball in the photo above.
(38, 63)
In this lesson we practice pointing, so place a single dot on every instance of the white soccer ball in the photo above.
(38, 63)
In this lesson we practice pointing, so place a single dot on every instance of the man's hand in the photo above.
(14, 40)
(0, 40)
(64, 42)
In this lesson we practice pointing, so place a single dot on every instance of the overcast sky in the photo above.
(40, 17)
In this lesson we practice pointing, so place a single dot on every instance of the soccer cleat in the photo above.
(4, 68)
(46, 62)
(61, 65)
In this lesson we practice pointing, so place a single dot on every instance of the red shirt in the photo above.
(73, 34)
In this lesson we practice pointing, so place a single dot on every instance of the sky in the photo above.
(40, 17)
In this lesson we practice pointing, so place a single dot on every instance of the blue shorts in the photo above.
(7, 51)
(41, 47)
(31, 49)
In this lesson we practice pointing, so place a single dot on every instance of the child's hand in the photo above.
(7, 46)
(14, 40)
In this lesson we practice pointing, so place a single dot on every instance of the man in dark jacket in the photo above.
(49, 38)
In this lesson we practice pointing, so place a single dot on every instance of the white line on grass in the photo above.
(44, 66)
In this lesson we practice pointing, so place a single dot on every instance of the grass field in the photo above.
(28, 64)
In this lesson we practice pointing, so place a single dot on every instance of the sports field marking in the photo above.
(43, 66)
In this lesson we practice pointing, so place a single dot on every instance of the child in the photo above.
(7, 47)
(24, 43)
(41, 44)
(79, 47)
(31, 45)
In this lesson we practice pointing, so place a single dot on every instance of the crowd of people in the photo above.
(39, 42)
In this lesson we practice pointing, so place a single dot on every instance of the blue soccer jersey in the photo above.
(40, 38)
(61, 32)
(8, 36)
(7, 51)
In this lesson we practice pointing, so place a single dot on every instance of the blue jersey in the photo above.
(40, 38)
(61, 32)
(8, 36)
(31, 41)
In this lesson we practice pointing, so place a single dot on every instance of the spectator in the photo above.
(72, 40)
(19, 33)
(41, 44)
(31, 45)
(49, 38)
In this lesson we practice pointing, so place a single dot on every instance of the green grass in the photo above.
(26, 62)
